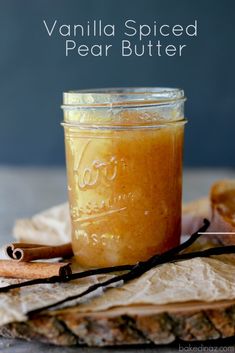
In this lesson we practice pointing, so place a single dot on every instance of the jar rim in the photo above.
(121, 97)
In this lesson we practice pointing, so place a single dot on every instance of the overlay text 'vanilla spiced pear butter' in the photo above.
(124, 170)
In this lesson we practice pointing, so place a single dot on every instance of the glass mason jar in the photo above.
(124, 171)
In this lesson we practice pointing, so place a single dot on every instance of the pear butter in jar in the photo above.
(124, 171)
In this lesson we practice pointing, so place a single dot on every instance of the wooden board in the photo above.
(129, 325)
(142, 324)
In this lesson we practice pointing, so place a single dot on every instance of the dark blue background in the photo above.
(34, 72)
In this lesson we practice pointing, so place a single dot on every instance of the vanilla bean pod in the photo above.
(135, 272)
(167, 255)
(220, 250)
(138, 271)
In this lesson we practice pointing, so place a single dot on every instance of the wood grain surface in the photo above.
(129, 325)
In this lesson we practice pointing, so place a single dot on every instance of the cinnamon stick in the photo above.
(29, 252)
(31, 270)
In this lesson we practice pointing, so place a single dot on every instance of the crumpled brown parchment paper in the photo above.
(199, 279)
